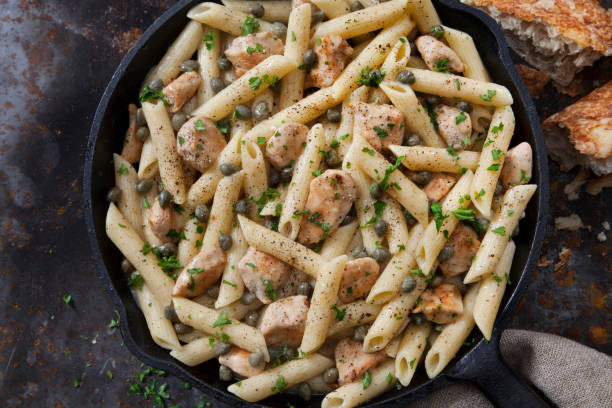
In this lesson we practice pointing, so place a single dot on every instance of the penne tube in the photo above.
(232, 286)
(194, 353)
(333, 8)
(395, 62)
(189, 247)
(481, 118)
(296, 44)
(161, 329)
(355, 314)
(132, 147)
(222, 18)
(337, 243)
(397, 235)
(147, 166)
(410, 351)
(344, 134)
(255, 175)
(208, 54)
(434, 159)
(222, 211)
(129, 202)
(274, 10)
(463, 44)
(424, 14)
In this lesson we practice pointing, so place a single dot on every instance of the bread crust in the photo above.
(534, 80)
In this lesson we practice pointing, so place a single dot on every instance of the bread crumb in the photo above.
(572, 223)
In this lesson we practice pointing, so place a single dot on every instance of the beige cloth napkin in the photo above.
(568, 373)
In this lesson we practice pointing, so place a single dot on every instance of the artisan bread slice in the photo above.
(581, 134)
(559, 37)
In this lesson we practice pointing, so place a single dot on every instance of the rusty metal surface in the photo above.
(56, 57)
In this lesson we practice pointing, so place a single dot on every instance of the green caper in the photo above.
(304, 288)
(127, 267)
(408, 284)
(483, 224)
(381, 227)
(178, 120)
(381, 255)
(113, 195)
(202, 213)
(242, 207)
(157, 85)
(170, 314)
(410, 220)
(406, 77)
(243, 111)
(256, 358)
(164, 198)
(359, 252)
(225, 374)
(227, 169)
(279, 29)
(144, 186)
(317, 17)
(432, 100)
(261, 111)
(181, 328)
(414, 140)
(375, 191)
(332, 159)
(217, 84)
(417, 318)
(223, 63)
(446, 253)
(257, 10)
(465, 106)
(360, 333)
(247, 298)
(190, 65)
(251, 318)
(356, 6)
(168, 249)
(225, 242)
(421, 177)
(309, 58)
(437, 31)
(286, 174)
(333, 115)
(142, 133)
(141, 119)
(222, 348)
(304, 391)
(213, 291)
(330, 375)
(273, 177)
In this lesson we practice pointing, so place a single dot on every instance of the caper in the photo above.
(251, 318)
(304, 288)
(330, 375)
(144, 186)
(223, 63)
(408, 284)
(217, 84)
(127, 267)
(225, 242)
(414, 140)
(406, 77)
(458, 146)
(273, 177)
(164, 198)
(170, 314)
(360, 333)
(181, 328)
(257, 10)
(247, 298)
(333, 115)
(286, 174)
(225, 374)
(213, 291)
(141, 119)
(356, 6)
(381, 227)
(432, 100)
(279, 29)
(332, 159)
(261, 111)
(465, 106)
(446, 253)
(243, 111)
(414, 51)
(437, 31)
(202, 213)
(410, 220)
(304, 391)
(113, 195)
(309, 58)
(190, 65)
(167, 249)
(375, 191)
(142, 133)
(484, 122)
(178, 120)
(381, 255)
(359, 252)
(242, 207)
(157, 85)
(421, 177)
(484, 224)
(256, 358)
(227, 169)
(317, 17)
(417, 318)
(499, 188)
(222, 348)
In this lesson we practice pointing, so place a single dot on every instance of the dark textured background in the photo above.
(55, 60)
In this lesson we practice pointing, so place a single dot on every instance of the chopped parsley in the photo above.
(236, 115)
(380, 132)
(524, 177)
(254, 82)
(379, 208)
(497, 278)
(436, 31)
(452, 152)
(507, 279)
(261, 140)
(145, 203)
(67, 298)
(480, 193)
(460, 118)
(233, 285)
(384, 183)
(389, 379)
(122, 169)
(438, 216)
(192, 272)
(464, 214)
(496, 153)
(169, 264)
(371, 77)
(412, 362)
(174, 234)
(258, 48)
(150, 94)
(293, 36)
(338, 314)
(500, 230)
(271, 292)
(136, 281)
(493, 167)
(367, 379)
(458, 84)
(314, 219)
(441, 66)
(368, 151)
(251, 26)
(490, 94)
(334, 143)
(280, 384)
(223, 126)
(209, 40)
(221, 320)
(114, 323)
(510, 213)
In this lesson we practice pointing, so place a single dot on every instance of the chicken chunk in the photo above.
(284, 321)
(352, 362)
(438, 56)
(454, 126)
(380, 125)
(249, 50)
(199, 143)
(179, 91)
(465, 244)
(330, 198)
(439, 185)
(332, 54)
(358, 278)
(162, 220)
(238, 361)
(263, 274)
(442, 304)
(517, 165)
(286, 144)
(200, 273)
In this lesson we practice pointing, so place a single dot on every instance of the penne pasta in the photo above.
(232, 286)
(296, 44)
(161, 329)
(222, 211)
(410, 351)
(274, 10)
(223, 18)
(434, 159)
(129, 202)
(194, 353)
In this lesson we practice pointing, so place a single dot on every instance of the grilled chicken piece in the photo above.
(263, 274)
(517, 165)
(238, 361)
(438, 56)
(465, 244)
(330, 198)
(286, 144)
(284, 321)
(179, 91)
(453, 133)
(162, 220)
(380, 125)
(352, 362)
(332, 54)
(199, 143)
(203, 271)
(358, 278)
(442, 304)
(439, 185)
(249, 50)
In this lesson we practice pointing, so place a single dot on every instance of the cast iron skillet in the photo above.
(479, 363)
